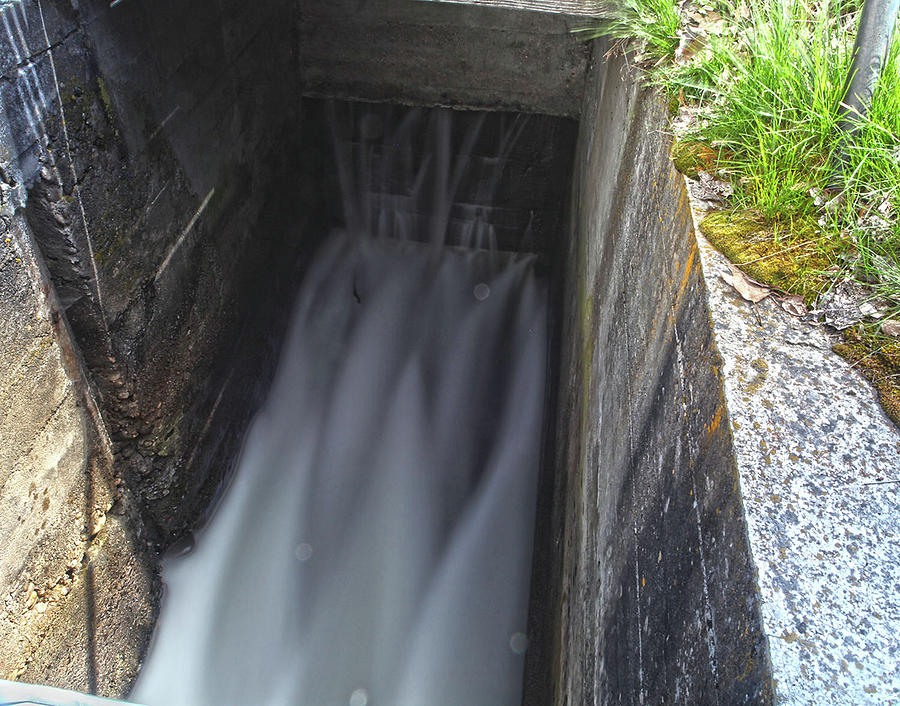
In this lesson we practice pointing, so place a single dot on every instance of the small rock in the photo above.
(819, 197)
(890, 327)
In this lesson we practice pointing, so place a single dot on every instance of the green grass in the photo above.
(652, 23)
(765, 88)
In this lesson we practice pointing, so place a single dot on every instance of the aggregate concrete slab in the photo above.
(819, 466)
(77, 599)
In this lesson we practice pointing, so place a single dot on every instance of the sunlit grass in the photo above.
(767, 86)
(764, 85)
(653, 23)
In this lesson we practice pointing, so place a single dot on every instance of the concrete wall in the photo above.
(77, 590)
(435, 53)
(149, 176)
(162, 222)
(152, 221)
(650, 591)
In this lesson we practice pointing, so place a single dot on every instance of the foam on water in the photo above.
(374, 548)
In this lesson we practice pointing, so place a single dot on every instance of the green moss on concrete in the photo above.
(789, 257)
(878, 359)
(165, 439)
(691, 157)
(107, 105)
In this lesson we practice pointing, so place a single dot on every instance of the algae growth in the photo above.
(791, 257)
(796, 262)
(691, 157)
(878, 359)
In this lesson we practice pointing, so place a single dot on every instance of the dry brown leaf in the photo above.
(689, 43)
(712, 23)
(793, 304)
(876, 308)
(709, 190)
(749, 289)
(890, 327)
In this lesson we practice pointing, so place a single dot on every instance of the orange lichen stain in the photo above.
(715, 422)
(688, 270)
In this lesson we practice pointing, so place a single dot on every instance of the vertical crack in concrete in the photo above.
(75, 186)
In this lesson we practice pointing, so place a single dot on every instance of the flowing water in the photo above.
(374, 547)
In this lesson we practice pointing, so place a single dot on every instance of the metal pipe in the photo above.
(870, 53)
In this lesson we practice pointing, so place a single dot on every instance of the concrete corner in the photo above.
(67, 562)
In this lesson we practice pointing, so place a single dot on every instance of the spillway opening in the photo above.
(374, 545)
(170, 173)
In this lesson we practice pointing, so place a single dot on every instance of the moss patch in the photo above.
(691, 157)
(107, 104)
(165, 440)
(792, 257)
(878, 359)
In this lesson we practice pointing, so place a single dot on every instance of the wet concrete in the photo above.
(656, 602)
(177, 200)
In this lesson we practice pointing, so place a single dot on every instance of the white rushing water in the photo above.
(374, 548)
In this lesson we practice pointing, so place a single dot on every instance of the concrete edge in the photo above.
(818, 463)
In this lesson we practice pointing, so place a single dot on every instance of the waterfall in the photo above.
(374, 546)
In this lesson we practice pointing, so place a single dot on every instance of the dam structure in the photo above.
(277, 275)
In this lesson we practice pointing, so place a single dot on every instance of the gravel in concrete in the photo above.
(820, 474)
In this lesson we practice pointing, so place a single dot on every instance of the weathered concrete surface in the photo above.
(820, 476)
(151, 226)
(436, 53)
(586, 8)
(73, 576)
(157, 206)
(654, 600)
(511, 172)
(142, 153)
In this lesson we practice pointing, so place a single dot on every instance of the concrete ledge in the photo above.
(820, 475)
(436, 53)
